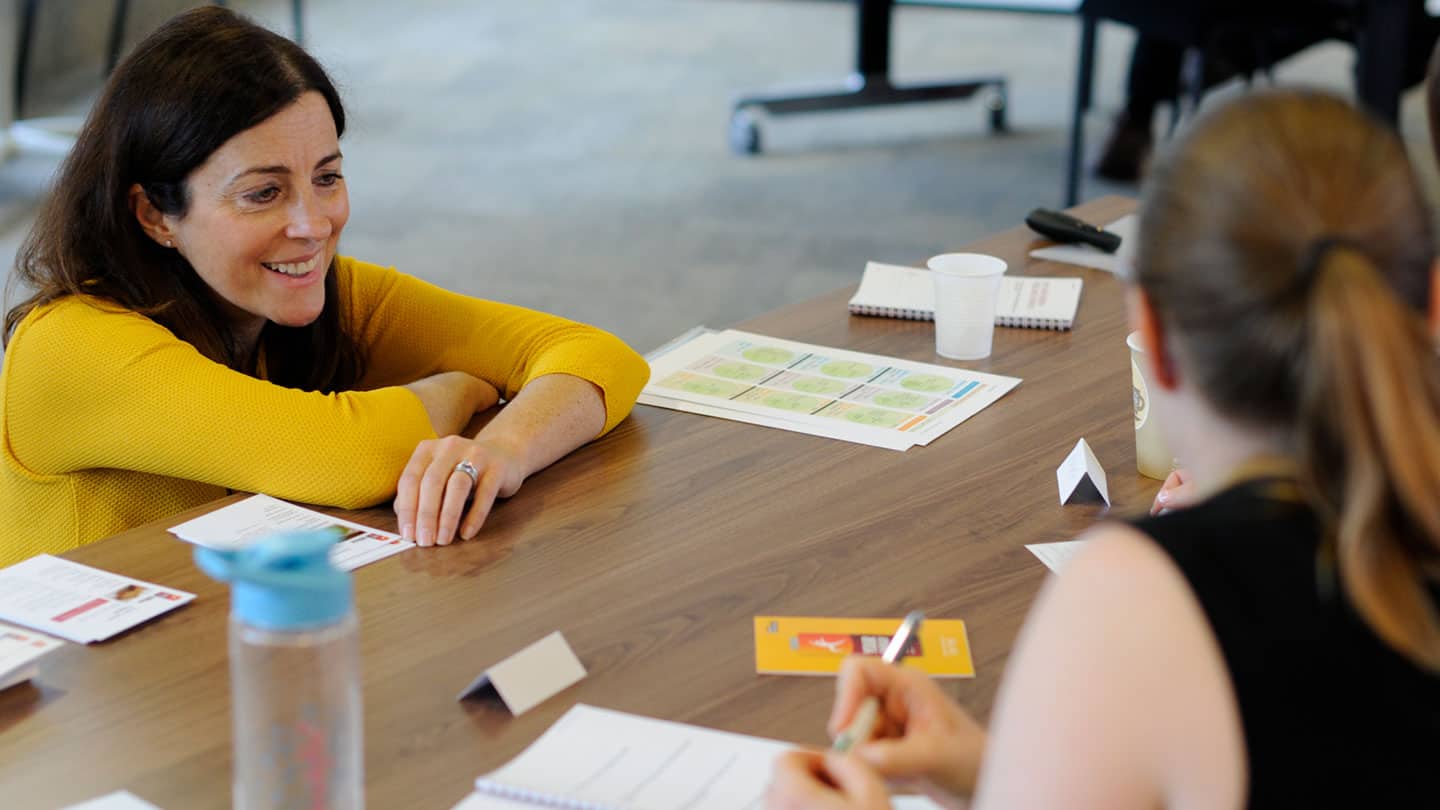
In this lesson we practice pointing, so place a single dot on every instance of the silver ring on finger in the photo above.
(469, 469)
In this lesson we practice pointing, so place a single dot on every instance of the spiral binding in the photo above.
(504, 791)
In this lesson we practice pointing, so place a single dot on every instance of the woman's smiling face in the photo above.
(265, 214)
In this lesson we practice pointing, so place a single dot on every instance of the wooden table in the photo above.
(652, 550)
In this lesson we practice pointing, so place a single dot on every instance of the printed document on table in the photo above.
(20, 653)
(600, 758)
(897, 442)
(240, 524)
(77, 602)
(852, 396)
(719, 411)
(609, 760)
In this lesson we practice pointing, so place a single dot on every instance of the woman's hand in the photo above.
(806, 780)
(552, 415)
(433, 493)
(1177, 492)
(923, 739)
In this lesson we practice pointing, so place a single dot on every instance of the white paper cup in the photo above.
(1152, 457)
(967, 286)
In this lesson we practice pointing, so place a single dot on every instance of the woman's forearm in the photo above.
(451, 398)
(551, 416)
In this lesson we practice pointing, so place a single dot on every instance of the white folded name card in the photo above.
(1081, 477)
(527, 678)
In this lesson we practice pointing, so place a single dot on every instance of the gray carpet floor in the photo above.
(571, 155)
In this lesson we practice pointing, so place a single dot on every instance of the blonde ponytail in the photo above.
(1287, 247)
(1368, 436)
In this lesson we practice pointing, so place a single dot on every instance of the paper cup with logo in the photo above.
(1152, 457)
(967, 288)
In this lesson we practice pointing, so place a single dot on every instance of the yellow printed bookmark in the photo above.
(794, 645)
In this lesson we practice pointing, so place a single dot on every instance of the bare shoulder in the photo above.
(1115, 552)
(1118, 690)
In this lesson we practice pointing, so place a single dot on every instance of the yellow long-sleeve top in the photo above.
(111, 421)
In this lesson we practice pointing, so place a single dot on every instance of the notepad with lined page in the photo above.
(1031, 302)
(599, 759)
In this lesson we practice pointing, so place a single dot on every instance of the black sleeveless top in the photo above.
(1332, 716)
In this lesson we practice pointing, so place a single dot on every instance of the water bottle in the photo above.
(294, 674)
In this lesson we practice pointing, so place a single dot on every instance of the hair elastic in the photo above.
(1315, 257)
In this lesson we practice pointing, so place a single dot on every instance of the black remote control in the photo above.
(1065, 228)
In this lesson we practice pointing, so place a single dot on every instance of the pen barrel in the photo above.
(862, 725)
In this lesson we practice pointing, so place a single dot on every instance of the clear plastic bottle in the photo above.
(294, 675)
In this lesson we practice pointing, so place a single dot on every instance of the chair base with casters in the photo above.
(868, 86)
(860, 90)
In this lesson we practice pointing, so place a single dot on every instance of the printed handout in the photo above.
(240, 524)
(77, 602)
(863, 398)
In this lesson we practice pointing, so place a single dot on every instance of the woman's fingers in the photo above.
(859, 783)
(432, 483)
(458, 488)
(437, 502)
(861, 677)
(811, 780)
(800, 782)
(407, 490)
(1176, 492)
(484, 500)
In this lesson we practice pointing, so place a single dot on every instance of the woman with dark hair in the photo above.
(1278, 643)
(193, 330)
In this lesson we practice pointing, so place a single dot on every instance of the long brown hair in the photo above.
(200, 79)
(1287, 250)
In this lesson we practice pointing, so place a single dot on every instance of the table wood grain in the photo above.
(652, 550)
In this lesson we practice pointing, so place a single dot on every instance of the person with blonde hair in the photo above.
(1277, 643)
(192, 328)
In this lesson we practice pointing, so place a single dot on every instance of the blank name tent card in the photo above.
(529, 677)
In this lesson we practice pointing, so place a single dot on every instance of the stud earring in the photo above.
(169, 243)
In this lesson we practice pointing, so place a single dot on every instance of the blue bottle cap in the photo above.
(283, 582)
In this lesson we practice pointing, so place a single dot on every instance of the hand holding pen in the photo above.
(862, 724)
(919, 739)
(920, 736)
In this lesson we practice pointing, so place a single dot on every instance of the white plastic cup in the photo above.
(967, 287)
(1152, 457)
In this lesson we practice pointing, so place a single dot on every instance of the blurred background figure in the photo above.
(1250, 38)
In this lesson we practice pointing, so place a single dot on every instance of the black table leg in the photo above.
(1084, 89)
(22, 53)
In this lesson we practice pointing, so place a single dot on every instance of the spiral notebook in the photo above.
(1032, 302)
(598, 759)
